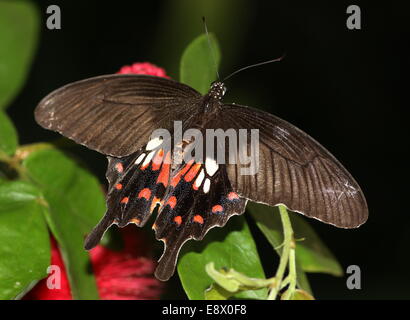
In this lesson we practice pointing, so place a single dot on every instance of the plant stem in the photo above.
(292, 268)
(284, 258)
(292, 273)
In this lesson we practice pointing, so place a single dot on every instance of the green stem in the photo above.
(292, 268)
(284, 258)
(292, 274)
(285, 282)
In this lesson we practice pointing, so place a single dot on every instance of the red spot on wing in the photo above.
(156, 162)
(199, 219)
(145, 193)
(163, 176)
(119, 167)
(177, 177)
(233, 196)
(193, 172)
(125, 200)
(172, 201)
(178, 220)
(118, 186)
(217, 208)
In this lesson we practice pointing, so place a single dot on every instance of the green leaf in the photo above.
(76, 204)
(216, 292)
(25, 242)
(19, 28)
(299, 295)
(268, 221)
(229, 282)
(228, 247)
(8, 135)
(197, 68)
(312, 254)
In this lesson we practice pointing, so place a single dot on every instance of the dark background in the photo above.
(343, 87)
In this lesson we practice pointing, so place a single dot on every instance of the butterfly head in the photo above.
(217, 90)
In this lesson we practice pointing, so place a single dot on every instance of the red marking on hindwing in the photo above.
(232, 196)
(119, 167)
(193, 172)
(125, 200)
(156, 162)
(163, 176)
(217, 208)
(199, 219)
(178, 220)
(172, 201)
(118, 186)
(145, 193)
(177, 177)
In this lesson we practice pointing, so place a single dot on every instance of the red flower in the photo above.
(124, 275)
(41, 291)
(144, 68)
(121, 275)
(128, 274)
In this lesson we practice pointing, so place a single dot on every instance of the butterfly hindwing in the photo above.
(196, 202)
(137, 184)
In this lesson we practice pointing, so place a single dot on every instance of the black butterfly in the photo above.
(116, 114)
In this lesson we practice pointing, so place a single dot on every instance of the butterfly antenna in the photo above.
(210, 48)
(254, 65)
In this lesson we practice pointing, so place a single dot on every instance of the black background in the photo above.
(344, 87)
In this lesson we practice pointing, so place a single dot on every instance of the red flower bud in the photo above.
(144, 68)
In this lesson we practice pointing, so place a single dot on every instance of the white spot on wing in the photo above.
(148, 158)
(207, 185)
(139, 159)
(152, 144)
(211, 166)
(199, 179)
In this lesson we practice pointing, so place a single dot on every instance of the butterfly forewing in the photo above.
(295, 170)
(116, 114)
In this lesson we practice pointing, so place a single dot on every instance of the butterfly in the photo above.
(116, 115)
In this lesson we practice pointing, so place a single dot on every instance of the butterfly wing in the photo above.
(137, 184)
(198, 200)
(295, 170)
(116, 114)
(192, 198)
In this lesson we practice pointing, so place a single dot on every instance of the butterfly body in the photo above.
(117, 114)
